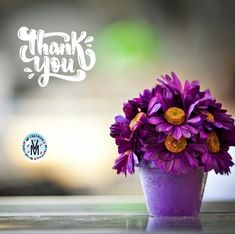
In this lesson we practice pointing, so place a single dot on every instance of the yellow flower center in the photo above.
(135, 120)
(213, 143)
(174, 115)
(175, 146)
(210, 117)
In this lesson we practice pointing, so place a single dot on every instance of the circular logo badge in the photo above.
(34, 146)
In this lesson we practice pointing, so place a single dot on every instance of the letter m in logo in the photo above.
(34, 148)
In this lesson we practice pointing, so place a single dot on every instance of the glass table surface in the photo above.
(105, 214)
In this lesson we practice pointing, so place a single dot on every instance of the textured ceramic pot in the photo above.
(167, 194)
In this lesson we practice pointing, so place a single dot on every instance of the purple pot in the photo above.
(167, 194)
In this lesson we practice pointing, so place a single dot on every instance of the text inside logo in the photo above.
(34, 146)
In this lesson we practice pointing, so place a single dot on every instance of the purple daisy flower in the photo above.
(172, 155)
(175, 128)
(172, 119)
(212, 115)
(216, 117)
(176, 116)
(216, 157)
(125, 140)
(126, 163)
(143, 100)
(126, 132)
(139, 104)
(120, 128)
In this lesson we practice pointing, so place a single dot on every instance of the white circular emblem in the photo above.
(34, 146)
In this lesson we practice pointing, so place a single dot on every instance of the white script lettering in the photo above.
(47, 58)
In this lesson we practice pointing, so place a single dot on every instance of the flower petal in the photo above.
(176, 81)
(218, 124)
(177, 134)
(163, 127)
(155, 120)
(185, 133)
(194, 120)
(193, 162)
(191, 129)
(153, 106)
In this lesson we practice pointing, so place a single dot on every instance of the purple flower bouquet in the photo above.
(174, 134)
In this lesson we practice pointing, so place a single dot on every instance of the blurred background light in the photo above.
(128, 43)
